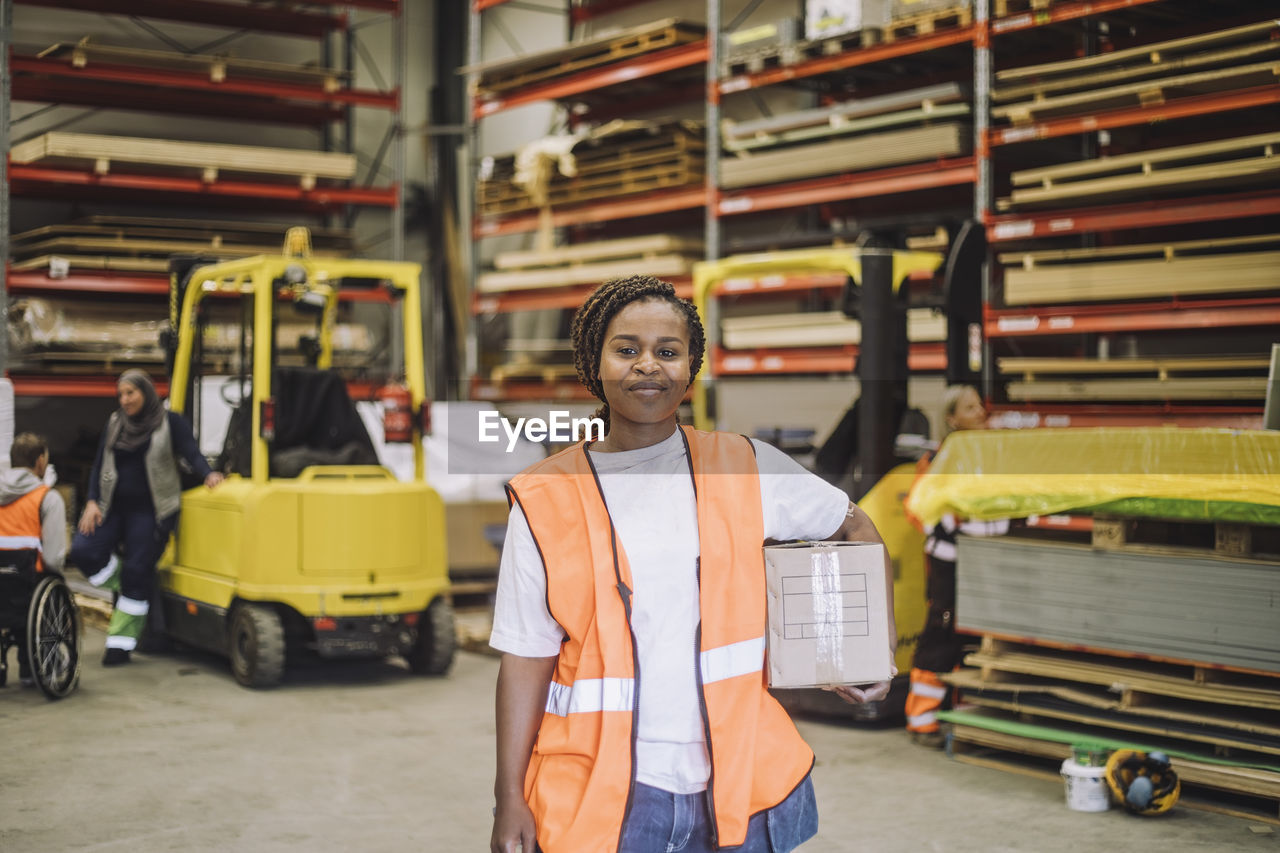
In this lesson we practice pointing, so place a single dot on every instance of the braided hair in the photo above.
(604, 303)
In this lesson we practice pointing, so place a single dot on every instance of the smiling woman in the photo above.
(641, 553)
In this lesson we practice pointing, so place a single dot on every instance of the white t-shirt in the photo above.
(649, 493)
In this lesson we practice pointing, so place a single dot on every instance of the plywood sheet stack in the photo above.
(661, 255)
(819, 329)
(616, 160)
(906, 127)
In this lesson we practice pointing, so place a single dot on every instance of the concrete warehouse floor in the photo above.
(169, 753)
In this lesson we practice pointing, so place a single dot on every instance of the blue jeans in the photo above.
(662, 822)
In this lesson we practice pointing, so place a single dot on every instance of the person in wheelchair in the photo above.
(33, 517)
(135, 491)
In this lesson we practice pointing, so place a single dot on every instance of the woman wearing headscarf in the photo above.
(134, 495)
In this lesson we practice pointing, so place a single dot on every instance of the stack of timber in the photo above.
(1234, 265)
(906, 127)
(494, 79)
(1241, 378)
(1005, 8)
(620, 159)
(144, 244)
(1228, 60)
(106, 154)
(1242, 161)
(87, 53)
(661, 255)
(922, 17)
(818, 329)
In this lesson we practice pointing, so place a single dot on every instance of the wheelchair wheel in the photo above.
(53, 637)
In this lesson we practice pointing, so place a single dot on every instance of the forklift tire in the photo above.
(432, 654)
(256, 645)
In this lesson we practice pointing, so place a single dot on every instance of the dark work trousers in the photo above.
(133, 524)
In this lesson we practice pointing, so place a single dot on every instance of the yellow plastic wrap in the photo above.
(1157, 471)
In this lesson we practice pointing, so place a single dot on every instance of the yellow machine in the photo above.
(342, 559)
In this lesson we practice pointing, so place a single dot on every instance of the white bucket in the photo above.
(1086, 787)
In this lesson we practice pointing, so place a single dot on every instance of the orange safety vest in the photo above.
(20, 524)
(582, 772)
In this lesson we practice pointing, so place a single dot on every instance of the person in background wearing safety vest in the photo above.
(32, 515)
(135, 491)
(632, 710)
(938, 650)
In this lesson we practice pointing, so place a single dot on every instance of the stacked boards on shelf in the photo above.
(1233, 59)
(618, 159)
(661, 255)
(819, 329)
(905, 127)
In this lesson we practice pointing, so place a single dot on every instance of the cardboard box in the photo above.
(828, 618)
(825, 18)
(469, 549)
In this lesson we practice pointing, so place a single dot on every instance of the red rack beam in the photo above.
(901, 179)
(27, 281)
(837, 62)
(74, 386)
(27, 180)
(1244, 99)
(1012, 323)
(646, 65)
(1147, 214)
(1060, 13)
(187, 80)
(236, 16)
(624, 208)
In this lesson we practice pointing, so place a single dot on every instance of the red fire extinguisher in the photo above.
(397, 412)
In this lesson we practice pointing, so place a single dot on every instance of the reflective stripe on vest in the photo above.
(20, 527)
(581, 772)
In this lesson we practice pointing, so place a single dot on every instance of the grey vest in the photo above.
(162, 472)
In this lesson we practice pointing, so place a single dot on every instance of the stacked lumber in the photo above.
(616, 160)
(105, 154)
(1209, 377)
(87, 53)
(819, 329)
(660, 255)
(144, 244)
(907, 127)
(1164, 72)
(1242, 161)
(493, 79)
(1243, 264)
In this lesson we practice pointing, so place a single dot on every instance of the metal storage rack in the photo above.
(117, 83)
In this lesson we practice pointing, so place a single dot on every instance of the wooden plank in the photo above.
(217, 226)
(1198, 275)
(1162, 250)
(1146, 91)
(1200, 41)
(218, 67)
(819, 328)
(1038, 90)
(93, 262)
(1160, 365)
(1218, 388)
(867, 152)
(101, 245)
(843, 113)
(656, 265)
(862, 125)
(599, 250)
(101, 151)
(1139, 160)
(256, 233)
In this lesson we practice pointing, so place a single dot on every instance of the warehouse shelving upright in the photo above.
(1017, 328)
(117, 84)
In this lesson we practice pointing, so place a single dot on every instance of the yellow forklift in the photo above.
(309, 544)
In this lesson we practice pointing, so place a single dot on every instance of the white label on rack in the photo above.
(490, 107)
(739, 363)
(1017, 21)
(1019, 134)
(1057, 420)
(1064, 224)
(1018, 324)
(1067, 322)
(487, 306)
(1013, 230)
(736, 205)
(59, 267)
(1057, 520)
(770, 281)
(734, 84)
(732, 285)
(773, 362)
(487, 228)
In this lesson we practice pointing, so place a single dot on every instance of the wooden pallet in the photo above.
(103, 153)
(496, 78)
(86, 53)
(626, 183)
(928, 22)
(1227, 538)
(844, 42)
(1005, 8)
